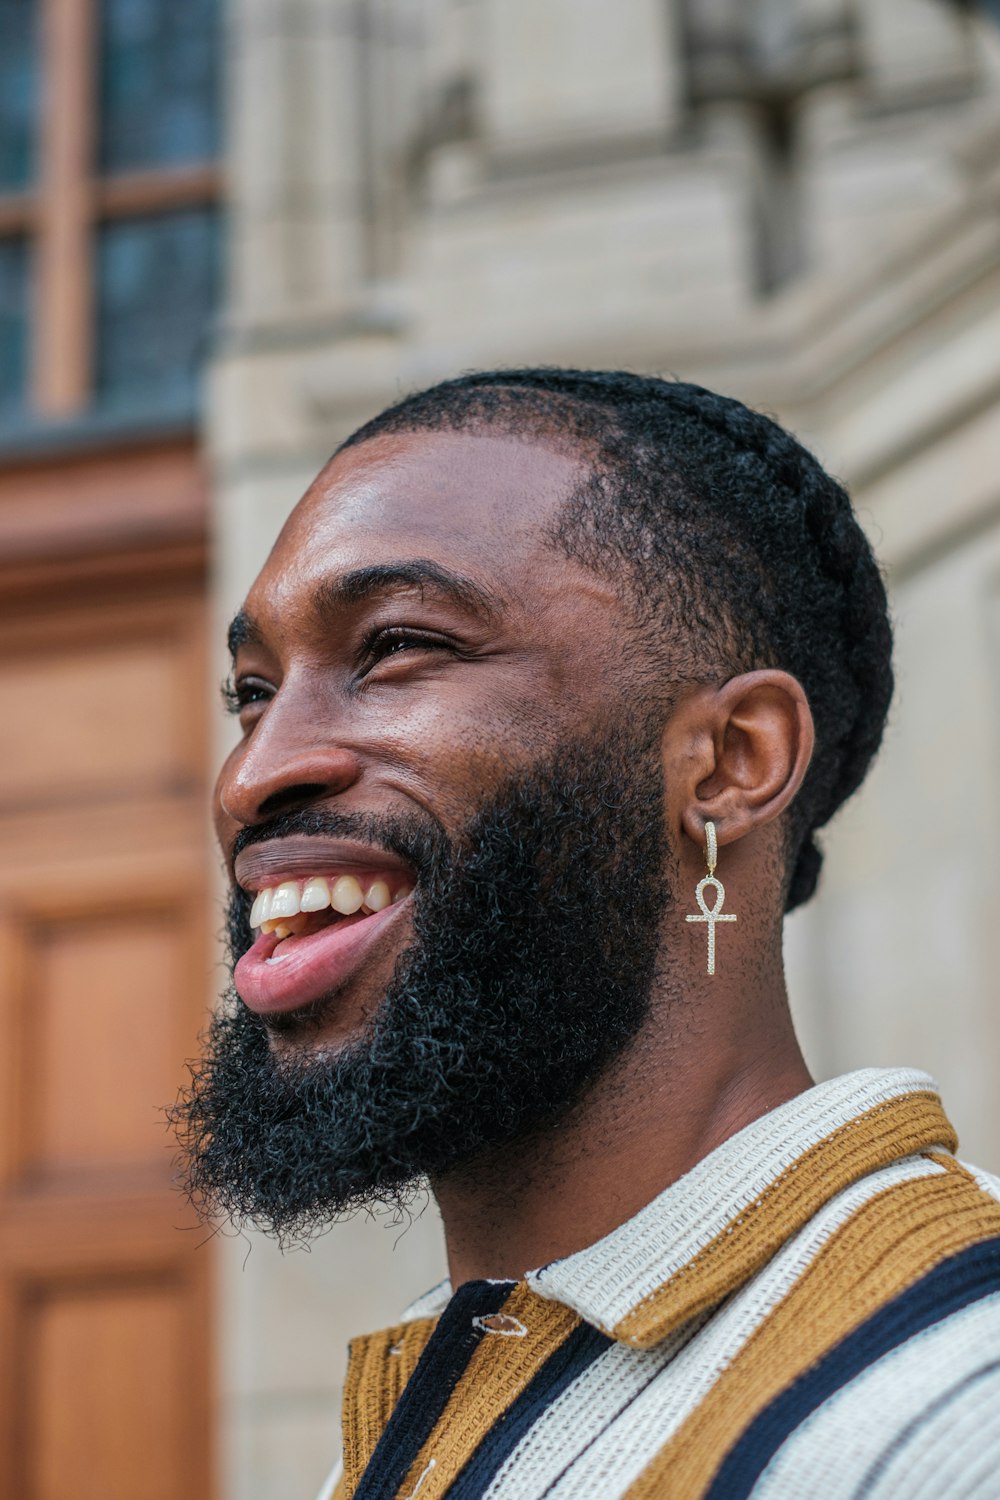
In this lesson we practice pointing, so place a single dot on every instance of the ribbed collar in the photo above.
(715, 1227)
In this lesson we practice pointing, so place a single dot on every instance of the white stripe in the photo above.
(603, 1445)
(954, 1450)
(428, 1468)
(607, 1280)
(585, 1408)
(837, 1448)
(331, 1481)
(430, 1305)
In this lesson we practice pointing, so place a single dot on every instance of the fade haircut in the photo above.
(731, 545)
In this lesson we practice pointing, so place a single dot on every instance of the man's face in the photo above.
(416, 641)
(436, 722)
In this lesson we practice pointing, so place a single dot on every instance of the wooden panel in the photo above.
(106, 1395)
(12, 1062)
(118, 705)
(100, 1233)
(106, 502)
(117, 693)
(100, 991)
(103, 973)
(105, 1326)
(101, 835)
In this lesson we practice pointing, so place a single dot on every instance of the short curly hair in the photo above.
(733, 545)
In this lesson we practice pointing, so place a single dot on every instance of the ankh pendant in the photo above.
(714, 913)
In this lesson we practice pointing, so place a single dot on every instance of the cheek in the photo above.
(477, 721)
(452, 777)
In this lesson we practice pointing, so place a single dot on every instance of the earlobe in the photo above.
(762, 735)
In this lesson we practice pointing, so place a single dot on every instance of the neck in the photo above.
(647, 1121)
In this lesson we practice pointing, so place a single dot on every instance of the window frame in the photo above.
(61, 215)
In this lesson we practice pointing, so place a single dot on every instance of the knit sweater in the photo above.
(812, 1310)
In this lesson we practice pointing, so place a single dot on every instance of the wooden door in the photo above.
(105, 919)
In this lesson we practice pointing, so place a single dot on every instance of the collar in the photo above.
(711, 1230)
(716, 1226)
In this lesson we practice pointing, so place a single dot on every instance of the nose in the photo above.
(282, 768)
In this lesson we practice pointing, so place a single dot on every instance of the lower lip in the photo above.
(311, 966)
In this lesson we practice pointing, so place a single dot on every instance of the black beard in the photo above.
(535, 944)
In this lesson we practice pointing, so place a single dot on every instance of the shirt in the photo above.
(812, 1310)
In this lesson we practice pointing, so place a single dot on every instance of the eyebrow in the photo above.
(243, 631)
(362, 584)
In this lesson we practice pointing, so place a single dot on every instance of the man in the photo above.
(544, 660)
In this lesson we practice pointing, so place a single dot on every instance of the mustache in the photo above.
(419, 840)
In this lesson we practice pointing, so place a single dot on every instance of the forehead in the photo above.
(468, 501)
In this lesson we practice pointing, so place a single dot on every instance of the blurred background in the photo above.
(230, 232)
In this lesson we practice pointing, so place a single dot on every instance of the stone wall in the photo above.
(792, 200)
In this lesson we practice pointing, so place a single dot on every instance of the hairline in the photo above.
(531, 424)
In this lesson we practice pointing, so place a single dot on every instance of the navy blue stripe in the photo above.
(574, 1355)
(952, 1285)
(429, 1388)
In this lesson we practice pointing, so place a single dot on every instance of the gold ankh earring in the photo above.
(715, 913)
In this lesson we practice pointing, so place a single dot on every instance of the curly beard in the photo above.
(536, 934)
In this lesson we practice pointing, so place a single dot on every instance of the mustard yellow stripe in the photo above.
(888, 1244)
(899, 1127)
(951, 1164)
(499, 1370)
(379, 1365)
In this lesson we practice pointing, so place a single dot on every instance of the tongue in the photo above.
(319, 921)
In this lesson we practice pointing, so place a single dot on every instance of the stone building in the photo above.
(795, 201)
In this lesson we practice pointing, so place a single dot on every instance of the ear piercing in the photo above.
(712, 914)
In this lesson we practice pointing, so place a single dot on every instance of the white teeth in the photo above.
(315, 895)
(275, 907)
(285, 901)
(346, 895)
(377, 896)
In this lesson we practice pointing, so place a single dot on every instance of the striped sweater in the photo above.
(813, 1310)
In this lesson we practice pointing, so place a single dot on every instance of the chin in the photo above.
(335, 1022)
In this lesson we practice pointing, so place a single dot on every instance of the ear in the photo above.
(737, 754)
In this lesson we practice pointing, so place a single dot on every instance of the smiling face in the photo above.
(446, 819)
(412, 642)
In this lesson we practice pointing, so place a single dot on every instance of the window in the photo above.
(109, 218)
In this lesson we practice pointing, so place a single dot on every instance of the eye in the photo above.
(393, 640)
(243, 692)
